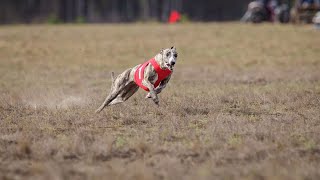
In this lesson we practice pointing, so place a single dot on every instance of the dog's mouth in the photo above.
(169, 66)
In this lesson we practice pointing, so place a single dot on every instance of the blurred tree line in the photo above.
(38, 11)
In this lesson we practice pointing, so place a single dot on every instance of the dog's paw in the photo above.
(148, 96)
(156, 101)
(152, 95)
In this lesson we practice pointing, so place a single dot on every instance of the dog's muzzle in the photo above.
(170, 66)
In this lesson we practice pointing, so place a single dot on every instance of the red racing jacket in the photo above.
(139, 74)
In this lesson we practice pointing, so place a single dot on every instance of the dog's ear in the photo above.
(161, 51)
(173, 47)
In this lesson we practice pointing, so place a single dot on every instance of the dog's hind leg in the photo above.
(108, 100)
(125, 93)
(117, 100)
(118, 87)
(113, 94)
(132, 88)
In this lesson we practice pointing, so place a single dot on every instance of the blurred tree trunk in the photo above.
(144, 9)
(165, 10)
(129, 10)
(90, 11)
(114, 11)
(69, 10)
(81, 8)
(154, 10)
(66, 10)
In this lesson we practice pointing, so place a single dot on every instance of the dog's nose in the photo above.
(173, 63)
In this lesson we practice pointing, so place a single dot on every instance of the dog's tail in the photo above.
(109, 98)
(112, 77)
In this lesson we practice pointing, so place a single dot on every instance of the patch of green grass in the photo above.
(235, 140)
(120, 142)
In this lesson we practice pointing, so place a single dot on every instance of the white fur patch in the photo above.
(140, 72)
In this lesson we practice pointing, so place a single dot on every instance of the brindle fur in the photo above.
(123, 86)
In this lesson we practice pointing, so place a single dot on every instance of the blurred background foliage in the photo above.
(96, 11)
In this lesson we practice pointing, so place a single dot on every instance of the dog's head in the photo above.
(169, 57)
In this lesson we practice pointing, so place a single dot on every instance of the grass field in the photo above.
(243, 103)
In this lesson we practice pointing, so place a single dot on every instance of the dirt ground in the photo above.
(243, 103)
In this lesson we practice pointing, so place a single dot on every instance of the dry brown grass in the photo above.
(243, 103)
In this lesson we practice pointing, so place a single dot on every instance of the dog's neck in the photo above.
(160, 61)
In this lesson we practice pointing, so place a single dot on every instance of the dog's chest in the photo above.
(153, 77)
(152, 72)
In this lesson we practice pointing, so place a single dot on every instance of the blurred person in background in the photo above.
(255, 13)
(304, 10)
(261, 10)
(307, 4)
(316, 20)
(282, 11)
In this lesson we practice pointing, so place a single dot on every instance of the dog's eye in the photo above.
(168, 54)
(175, 55)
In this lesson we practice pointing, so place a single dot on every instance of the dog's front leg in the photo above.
(152, 92)
(149, 76)
(161, 86)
